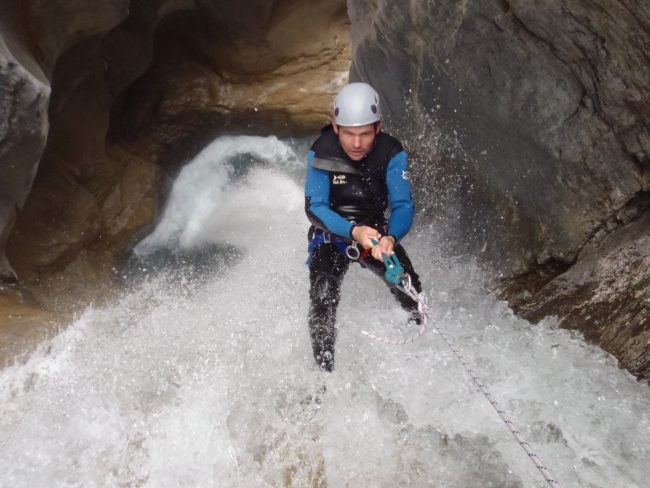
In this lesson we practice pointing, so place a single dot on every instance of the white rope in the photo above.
(399, 342)
(425, 314)
(423, 310)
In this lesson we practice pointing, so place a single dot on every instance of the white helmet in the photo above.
(356, 104)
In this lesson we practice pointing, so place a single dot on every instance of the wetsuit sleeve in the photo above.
(399, 192)
(317, 204)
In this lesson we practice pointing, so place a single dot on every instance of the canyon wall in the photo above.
(106, 101)
(528, 123)
(538, 114)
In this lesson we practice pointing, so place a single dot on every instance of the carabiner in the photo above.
(352, 252)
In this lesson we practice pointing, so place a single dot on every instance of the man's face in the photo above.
(357, 141)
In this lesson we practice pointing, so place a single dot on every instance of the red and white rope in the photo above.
(423, 310)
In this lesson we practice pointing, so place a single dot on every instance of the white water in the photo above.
(204, 379)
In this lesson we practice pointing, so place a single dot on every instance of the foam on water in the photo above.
(194, 211)
(210, 382)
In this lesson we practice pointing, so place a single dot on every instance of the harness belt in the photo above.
(351, 249)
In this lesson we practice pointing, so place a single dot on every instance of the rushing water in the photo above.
(202, 375)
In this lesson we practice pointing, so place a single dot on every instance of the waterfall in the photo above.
(203, 375)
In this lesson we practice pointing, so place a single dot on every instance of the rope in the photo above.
(425, 314)
(423, 310)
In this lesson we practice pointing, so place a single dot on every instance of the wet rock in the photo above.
(54, 26)
(24, 324)
(24, 95)
(137, 89)
(71, 263)
(543, 101)
(238, 66)
(146, 79)
(535, 119)
(31, 39)
(605, 294)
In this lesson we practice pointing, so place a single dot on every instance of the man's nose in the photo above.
(356, 141)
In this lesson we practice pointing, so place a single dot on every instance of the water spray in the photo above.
(395, 274)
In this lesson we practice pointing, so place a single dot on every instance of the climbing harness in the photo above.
(395, 274)
(324, 237)
(349, 248)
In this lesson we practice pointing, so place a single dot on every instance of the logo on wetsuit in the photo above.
(339, 180)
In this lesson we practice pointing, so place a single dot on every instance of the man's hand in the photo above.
(362, 234)
(385, 246)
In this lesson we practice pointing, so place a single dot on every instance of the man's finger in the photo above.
(376, 253)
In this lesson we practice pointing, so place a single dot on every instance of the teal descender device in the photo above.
(394, 269)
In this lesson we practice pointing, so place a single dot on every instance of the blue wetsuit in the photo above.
(340, 193)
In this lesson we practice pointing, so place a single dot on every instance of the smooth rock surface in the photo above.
(531, 121)
(136, 88)
(544, 100)
(141, 77)
(276, 62)
(24, 96)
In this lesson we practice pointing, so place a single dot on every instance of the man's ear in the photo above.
(377, 127)
(335, 127)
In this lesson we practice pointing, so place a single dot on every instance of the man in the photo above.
(355, 173)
